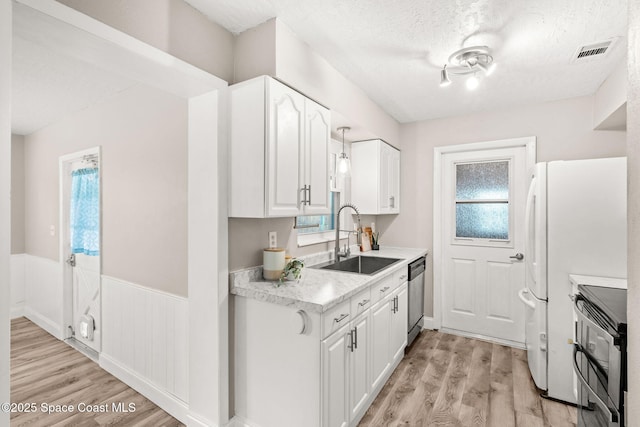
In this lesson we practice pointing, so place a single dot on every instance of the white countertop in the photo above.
(317, 290)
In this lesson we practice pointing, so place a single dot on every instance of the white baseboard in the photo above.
(43, 322)
(169, 403)
(508, 343)
(194, 421)
(17, 285)
(430, 323)
(238, 421)
(17, 310)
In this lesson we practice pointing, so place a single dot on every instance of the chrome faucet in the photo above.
(347, 251)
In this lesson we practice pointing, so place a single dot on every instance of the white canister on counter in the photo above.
(272, 263)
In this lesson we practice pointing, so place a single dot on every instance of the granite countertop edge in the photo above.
(310, 292)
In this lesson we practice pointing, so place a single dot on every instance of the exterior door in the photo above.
(82, 246)
(484, 197)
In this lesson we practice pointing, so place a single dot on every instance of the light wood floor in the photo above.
(446, 380)
(46, 370)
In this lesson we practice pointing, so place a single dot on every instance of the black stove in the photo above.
(611, 302)
(600, 355)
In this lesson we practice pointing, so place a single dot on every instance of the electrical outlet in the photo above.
(273, 239)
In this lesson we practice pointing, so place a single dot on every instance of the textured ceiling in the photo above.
(394, 50)
(48, 86)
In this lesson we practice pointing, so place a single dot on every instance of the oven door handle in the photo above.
(577, 348)
(591, 323)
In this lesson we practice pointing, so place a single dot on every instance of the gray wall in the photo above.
(143, 134)
(633, 151)
(17, 194)
(170, 25)
(563, 131)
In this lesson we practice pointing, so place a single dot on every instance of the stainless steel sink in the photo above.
(359, 264)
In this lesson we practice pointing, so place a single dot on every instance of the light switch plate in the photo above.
(273, 239)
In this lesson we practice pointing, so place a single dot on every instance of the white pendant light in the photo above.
(343, 165)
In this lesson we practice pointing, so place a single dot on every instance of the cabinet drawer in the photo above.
(383, 288)
(335, 318)
(360, 302)
(401, 276)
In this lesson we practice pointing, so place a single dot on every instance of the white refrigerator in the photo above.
(576, 223)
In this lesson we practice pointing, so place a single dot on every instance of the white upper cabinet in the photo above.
(375, 177)
(318, 137)
(279, 151)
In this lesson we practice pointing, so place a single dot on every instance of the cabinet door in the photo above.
(386, 162)
(359, 366)
(285, 148)
(335, 379)
(380, 345)
(318, 135)
(394, 181)
(399, 322)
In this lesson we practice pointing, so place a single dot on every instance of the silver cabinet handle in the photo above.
(363, 302)
(392, 202)
(341, 318)
(303, 190)
(385, 289)
(309, 201)
(403, 277)
(355, 340)
(351, 344)
(517, 256)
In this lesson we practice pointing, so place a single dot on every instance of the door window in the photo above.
(482, 200)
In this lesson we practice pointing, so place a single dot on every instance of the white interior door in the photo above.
(81, 244)
(484, 196)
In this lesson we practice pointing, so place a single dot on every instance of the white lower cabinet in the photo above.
(335, 378)
(296, 368)
(399, 322)
(359, 366)
(380, 346)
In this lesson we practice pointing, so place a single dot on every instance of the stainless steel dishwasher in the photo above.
(416, 298)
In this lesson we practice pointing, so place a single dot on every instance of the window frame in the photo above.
(479, 241)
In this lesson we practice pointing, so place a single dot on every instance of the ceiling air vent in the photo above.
(593, 51)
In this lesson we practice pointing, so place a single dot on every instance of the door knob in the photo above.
(517, 256)
(71, 260)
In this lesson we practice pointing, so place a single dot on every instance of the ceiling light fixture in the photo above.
(469, 60)
(444, 77)
(344, 164)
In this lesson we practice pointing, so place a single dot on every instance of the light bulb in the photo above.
(344, 165)
(472, 82)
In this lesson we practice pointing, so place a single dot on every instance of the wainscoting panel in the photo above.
(145, 342)
(17, 285)
(43, 293)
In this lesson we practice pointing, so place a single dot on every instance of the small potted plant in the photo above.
(292, 270)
